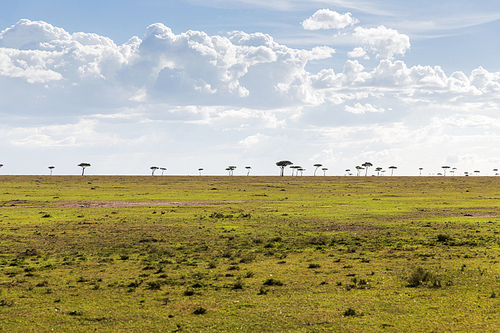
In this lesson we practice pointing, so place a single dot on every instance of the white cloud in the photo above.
(328, 19)
(358, 52)
(253, 140)
(362, 109)
(192, 91)
(383, 41)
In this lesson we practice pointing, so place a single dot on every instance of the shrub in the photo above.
(199, 311)
(314, 266)
(349, 312)
(272, 282)
(444, 238)
(420, 276)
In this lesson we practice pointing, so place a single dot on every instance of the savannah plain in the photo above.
(249, 254)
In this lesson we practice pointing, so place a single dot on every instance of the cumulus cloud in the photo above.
(246, 83)
(328, 19)
(383, 41)
(358, 52)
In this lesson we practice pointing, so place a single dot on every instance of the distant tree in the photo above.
(359, 168)
(495, 171)
(453, 171)
(301, 170)
(392, 167)
(282, 165)
(445, 167)
(295, 167)
(477, 172)
(348, 171)
(84, 166)
(317, 165)
(1, 165)
(153, 169)
(420, 170)
(50, 168)
(466, 173)
(366, 165)
(378, 169)
(248, 170)
(231, 169)
(324, 171)
(200, 170)
(163, 170)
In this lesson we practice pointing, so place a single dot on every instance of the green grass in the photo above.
(263, 254)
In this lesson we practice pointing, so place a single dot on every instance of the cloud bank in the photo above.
(240, 95)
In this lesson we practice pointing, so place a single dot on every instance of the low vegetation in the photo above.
(263, 254)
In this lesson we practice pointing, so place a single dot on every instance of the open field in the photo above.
(250, 254)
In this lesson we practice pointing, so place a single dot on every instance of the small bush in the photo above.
(314, 266)
(199, 311)
(419, 276)
(349, 312)
(444, 238)
(272, 282)
(237, 285)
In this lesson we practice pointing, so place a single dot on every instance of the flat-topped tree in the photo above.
(248, 170)
(378, 169)
(324, 171)
(51, 168)
(420, 169)
(366, 165)
(392, 167)
(444, 167)
(317, 165)
(153, 169)
(200, 170)
(282, 165)
(84, 166)
(231, 169)
(163, 170)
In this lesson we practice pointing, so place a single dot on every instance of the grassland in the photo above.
(249, 254)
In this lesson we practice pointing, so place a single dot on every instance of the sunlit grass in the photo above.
(257, 254)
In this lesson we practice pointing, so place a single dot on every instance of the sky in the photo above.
(195, 84)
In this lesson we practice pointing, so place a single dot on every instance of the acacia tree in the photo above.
(295, 167)
(83, 166)
(324, 171)
(163, 170)
(378, 169)
(445, 167)
(200, 170)
(366, 165)
(230, 169)
(248, 170)
(392, 167)
(51, 168)
(301, 170)
(153, 169)
(359, 168)
(420, 169)
(495, 171)
(348, 171)
(477, 172)
(282, 165)
(317, 165)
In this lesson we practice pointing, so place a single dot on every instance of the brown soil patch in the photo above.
(104, 204)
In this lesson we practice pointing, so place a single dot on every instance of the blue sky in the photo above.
(206, 84)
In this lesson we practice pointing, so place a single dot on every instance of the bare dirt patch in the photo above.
(104, 204)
